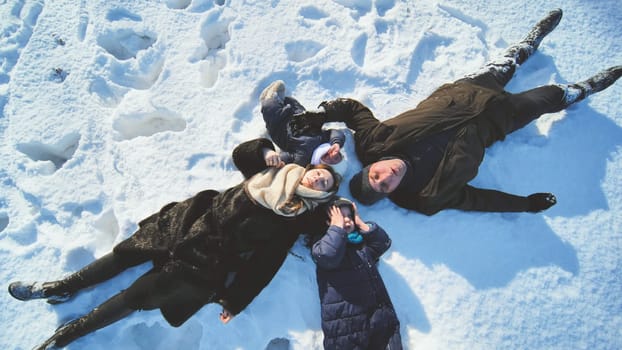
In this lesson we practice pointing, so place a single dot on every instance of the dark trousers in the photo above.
(520, 108)
(96, 272)
(103, 315)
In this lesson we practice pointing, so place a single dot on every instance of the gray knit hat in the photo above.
(362, 190)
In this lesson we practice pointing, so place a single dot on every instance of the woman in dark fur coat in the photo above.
(222, 247)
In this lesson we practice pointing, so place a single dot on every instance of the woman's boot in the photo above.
(107, 313)
(37, 290)
(59, 291)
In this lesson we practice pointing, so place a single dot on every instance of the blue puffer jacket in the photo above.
(357, 312)
(294, 149)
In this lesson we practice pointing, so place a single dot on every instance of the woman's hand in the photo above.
(225, 316)
(272, 158)
(335, 216)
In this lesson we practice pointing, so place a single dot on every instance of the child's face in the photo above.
(348, 219)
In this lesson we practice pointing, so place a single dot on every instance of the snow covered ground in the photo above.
(111, 109)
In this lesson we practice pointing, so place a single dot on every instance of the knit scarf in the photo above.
(280, 191)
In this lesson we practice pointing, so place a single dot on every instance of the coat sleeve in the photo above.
(369, 132)
(468, 198)
(254, 275)
(248, 156)
(477, 199)
(355, 114)
(287, 157)
(377, 241)
(336, 136)
(329, 250)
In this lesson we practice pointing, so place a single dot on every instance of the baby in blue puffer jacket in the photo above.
(303, 147)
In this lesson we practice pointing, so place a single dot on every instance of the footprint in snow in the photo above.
(211, 55)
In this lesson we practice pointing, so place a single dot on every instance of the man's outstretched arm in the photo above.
(355, 114)
(478, 199)
(470, 198)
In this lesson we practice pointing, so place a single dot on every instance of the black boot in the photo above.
(59, 291)
(526, 47)
(599, 82)
(107, 313)
(503, 68)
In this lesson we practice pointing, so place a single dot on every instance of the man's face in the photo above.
(386, 175)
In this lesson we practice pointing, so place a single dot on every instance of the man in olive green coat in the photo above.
(424, 158)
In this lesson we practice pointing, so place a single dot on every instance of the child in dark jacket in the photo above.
(309, 146)
(357, 312)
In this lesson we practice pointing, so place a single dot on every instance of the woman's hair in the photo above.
(336, 177)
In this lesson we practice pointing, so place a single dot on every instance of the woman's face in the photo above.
(318, 179)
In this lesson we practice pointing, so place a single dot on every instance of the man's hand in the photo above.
(541, 201)
(225, 316)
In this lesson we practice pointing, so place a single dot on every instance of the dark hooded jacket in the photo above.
(465, 110)
(295, 147)
(195, 245)
(357, 312)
